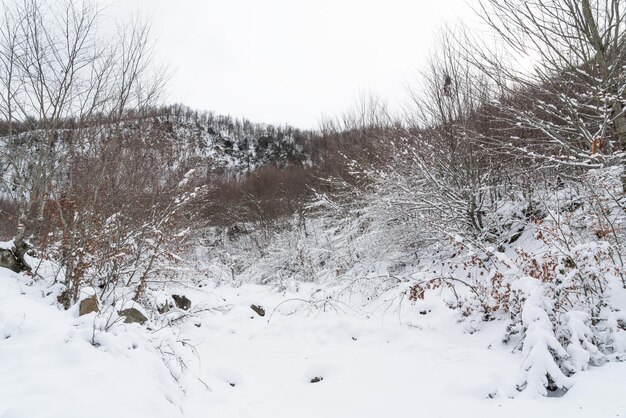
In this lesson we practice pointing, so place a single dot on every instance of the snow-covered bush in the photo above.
(555, 283)
(542, 352)
(576, 335)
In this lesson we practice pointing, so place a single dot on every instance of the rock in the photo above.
(88, 305)
(9, 261)
(258, 309)
(65, 299)
(182, 302)
(133, 315)
(13, 258)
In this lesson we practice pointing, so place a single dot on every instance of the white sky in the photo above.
(290, 61)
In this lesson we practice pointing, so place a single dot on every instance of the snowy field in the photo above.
(239, 364)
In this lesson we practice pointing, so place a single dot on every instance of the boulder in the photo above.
(13, 258)
(182, 302)
(9, 260)
(132, 315)
(88, 305)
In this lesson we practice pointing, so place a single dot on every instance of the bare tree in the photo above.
(442, 170)
(60, 80)
(563, 77)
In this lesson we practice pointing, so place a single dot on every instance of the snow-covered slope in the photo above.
(239, 364)
(50, 368)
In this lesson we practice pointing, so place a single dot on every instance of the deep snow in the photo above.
(241, 365)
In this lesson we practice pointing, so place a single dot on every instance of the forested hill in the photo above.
(145, 151)
(229, 145)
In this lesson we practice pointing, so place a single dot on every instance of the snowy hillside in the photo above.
(224, 143)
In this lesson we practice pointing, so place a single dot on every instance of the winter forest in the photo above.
(460, 255)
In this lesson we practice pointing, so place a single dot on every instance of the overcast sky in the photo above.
(290, 61)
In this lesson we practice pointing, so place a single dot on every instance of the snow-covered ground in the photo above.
(238, 364)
